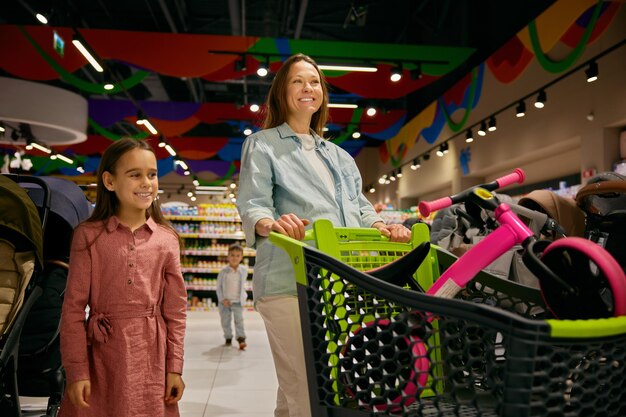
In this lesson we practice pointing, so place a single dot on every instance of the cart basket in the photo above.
(486, 353)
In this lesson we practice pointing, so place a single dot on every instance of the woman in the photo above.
(289, 178)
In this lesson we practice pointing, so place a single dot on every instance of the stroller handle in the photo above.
(427, 207)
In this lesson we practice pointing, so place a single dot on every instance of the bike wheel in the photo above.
(598, 282)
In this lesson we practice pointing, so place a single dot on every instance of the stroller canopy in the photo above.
(68, 208)
(19, 215)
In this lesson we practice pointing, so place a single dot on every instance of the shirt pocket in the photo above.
(349, 185)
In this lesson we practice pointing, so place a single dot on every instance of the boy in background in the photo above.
(231, 295)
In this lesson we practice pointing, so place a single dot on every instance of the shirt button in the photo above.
(130, 282)
(131, 265)
(132, 248)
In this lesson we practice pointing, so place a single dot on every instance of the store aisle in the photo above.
(224, 381)
(221, 381)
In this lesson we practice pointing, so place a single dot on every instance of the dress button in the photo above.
(130, 282)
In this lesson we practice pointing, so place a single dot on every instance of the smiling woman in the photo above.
(290, 176)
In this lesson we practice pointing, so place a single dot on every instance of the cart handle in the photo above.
(349, 234)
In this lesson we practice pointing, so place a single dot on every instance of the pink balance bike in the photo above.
(578, 280)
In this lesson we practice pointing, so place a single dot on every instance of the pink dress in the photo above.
(133, 286)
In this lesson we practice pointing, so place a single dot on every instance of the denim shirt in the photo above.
(275, 179)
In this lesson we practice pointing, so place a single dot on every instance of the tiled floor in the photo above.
(220, 381)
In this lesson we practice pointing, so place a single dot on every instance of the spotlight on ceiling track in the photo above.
(264, 67)
(482, 130)
(520, 110)
(492, 124)
(396, 73)
(592, 72)
(469, 137)
(541, 99)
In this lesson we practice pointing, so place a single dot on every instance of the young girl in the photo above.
(127, 358)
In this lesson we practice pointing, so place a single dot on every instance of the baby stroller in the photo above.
(21, 259)
(39, 372)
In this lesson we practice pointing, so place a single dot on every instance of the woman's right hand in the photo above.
(79, 392)
(287, 224)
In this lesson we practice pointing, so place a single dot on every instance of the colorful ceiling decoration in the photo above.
(208, 136)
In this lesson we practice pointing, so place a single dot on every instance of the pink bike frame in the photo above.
(510, 233)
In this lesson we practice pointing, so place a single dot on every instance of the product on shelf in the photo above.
(207, 231)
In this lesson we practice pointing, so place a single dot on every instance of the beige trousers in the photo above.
(282, 323)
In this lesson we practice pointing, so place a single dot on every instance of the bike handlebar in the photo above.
(427, 207)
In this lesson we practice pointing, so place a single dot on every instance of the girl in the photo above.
(127, 358)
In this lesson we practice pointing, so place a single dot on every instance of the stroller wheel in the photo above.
(597, 279)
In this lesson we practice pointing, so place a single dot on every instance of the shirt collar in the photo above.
(114, 222)
(285, 132)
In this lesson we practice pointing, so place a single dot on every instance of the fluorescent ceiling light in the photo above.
(65, 159)
(87, 55)
(212, 187)
(41, 148)
(205, 192)
(342, 106)
(170, 150)
(355, 68)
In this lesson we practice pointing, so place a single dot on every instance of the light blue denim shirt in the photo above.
(275, 179)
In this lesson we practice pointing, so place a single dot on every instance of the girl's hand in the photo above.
(174, 387)
(395, 232)
(226, 303)
(78, 392)
(287, 224)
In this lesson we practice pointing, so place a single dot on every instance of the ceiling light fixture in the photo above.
(240, 64)
(371, 189)
(356, 134)
(371, 111)
(40, 147)
(415, 164)
(469, 138)
(541, 99)
(41, 18)
(182, 164)
(2, 128)
(353, 68)
(342, 106)
(80, 44)
(399, 173)
(416, 73)
(264, 67)
(592, 72)
(247, 131)
(396, 73)
(65, 159)
(492, 124)
(482, 130)
(520, 110)
(254, 108)
(170, 150)
(440, 152)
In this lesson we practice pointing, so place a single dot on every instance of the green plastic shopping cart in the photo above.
(378, 348)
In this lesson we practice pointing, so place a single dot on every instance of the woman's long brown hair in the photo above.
(276, 103)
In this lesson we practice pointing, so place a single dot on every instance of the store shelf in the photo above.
(207, 231)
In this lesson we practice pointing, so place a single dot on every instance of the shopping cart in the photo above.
(378, 348)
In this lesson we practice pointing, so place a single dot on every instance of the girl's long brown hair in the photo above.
(106, 201)
(276, 103)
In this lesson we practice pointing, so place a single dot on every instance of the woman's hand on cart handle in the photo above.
(287, 224)
(395, 232)
(427, 207)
